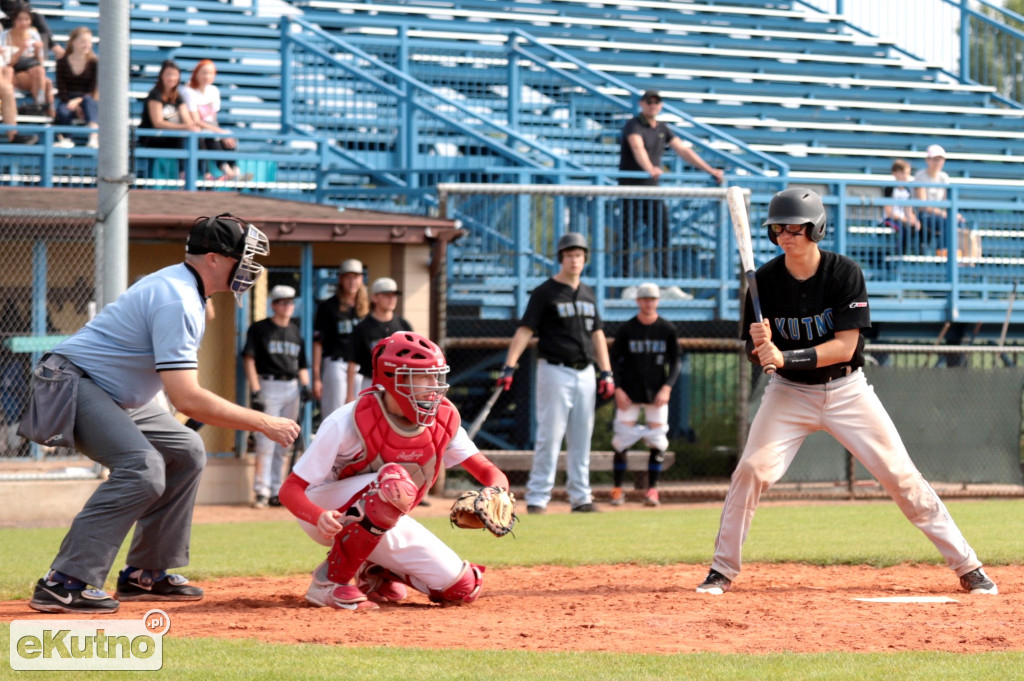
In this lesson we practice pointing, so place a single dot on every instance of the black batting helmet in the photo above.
(572, 240)
(797, 206)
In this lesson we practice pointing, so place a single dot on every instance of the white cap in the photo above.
(280, 292)
(350, 266)
(935, 151)
(384, 285)
(648, 290)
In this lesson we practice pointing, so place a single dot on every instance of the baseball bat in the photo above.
(474, 427)
(741, 228)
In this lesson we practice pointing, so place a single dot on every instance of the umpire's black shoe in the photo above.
(55, 597)
(586, 508)
(715, 583)
(139, 585)
(274, 501)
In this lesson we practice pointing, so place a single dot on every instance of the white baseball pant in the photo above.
(848, 409)
(334, 385)
(565, 400)
(280, 398)
(408, 549)
(626, 430)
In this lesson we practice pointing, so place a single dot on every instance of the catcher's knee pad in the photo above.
(389, 497)
(656, 437)
(466, 587)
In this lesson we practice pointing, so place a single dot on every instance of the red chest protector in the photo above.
(420, 452)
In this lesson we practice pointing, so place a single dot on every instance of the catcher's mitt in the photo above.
(491, 507)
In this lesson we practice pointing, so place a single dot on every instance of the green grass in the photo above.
(863, 533)
(202, 659)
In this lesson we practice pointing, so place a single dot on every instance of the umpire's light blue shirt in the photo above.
(156, 325)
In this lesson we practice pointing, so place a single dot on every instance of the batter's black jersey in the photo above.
(333, 328)
(644, 358)
(563, 319)
(365, 336)
(277, 350)
(804, 314)
(655, 140)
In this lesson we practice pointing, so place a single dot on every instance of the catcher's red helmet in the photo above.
(400, 363)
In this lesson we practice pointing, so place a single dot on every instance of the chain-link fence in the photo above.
(958, 410)
(48, 273)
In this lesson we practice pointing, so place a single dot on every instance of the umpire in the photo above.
(275, 366)
(95, 392)
(563, 313)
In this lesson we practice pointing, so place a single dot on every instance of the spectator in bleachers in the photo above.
(642, 144)
(8, 103)
(78, 86)
(165, 109)
(27, 60)
(902, 219)
(934, 219)
(203, 100)
(8, 7)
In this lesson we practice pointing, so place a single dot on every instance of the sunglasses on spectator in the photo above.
(789, 229)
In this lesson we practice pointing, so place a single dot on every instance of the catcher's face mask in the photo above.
(424, 389)
(247, 271)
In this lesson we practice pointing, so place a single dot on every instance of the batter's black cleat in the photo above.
(715, 583)
(55, 597)
(977, 582)
(536, 510)
(586, 508)
(143, 585)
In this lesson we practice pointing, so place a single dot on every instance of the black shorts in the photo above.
(25, 63)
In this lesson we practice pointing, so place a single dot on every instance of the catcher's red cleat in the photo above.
(349, 597)
(378, 585)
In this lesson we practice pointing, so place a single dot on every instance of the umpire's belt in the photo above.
(277, 377)
(578, 366)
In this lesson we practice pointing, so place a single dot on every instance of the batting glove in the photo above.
(505, 380)
(305, 394)
(256, 401)
(605, 385)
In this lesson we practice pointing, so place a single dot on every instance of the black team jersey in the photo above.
(805, 314)
(563, 319)
(276, 350)
(644, 358)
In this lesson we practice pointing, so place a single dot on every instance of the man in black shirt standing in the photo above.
(641, 147)
(563, 313)
(336, 319)
(275, 366)
(645, 363)
(380, 323)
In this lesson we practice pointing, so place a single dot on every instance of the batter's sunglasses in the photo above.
(789, 229)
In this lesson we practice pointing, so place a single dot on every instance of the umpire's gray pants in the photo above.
(155, 463)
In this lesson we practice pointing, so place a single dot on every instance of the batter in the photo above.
(815, 303)
(372, 461)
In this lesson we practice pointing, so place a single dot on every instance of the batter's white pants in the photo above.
(849, 410)
(408, 549)
(334, 385)
(565, 409)
(280, 398)
(628, 432)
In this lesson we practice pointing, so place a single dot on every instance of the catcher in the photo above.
(372, 461)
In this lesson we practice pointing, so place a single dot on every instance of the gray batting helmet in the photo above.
(572, 240)
(797, 206)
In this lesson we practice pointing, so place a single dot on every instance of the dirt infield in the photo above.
(625, 608)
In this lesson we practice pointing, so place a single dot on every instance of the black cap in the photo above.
(224, 234)
(651, 94)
